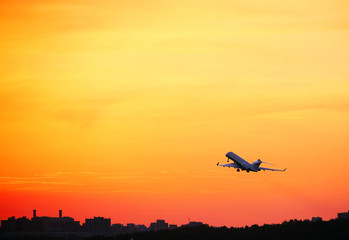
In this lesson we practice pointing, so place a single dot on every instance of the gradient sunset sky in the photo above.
(122, 109)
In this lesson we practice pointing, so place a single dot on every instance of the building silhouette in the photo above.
(158, 225)
(315, 219)
(16, 225)
(172, 226)
(97, 224)
(55, 225)
(40, 224)
(343, 215)
(193, 224)
(119, 228)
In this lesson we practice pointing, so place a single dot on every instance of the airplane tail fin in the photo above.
(257, 163)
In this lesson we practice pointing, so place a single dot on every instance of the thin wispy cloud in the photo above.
(136, 177)
(45, 182)
(57, 174)
(39, 182)
(25, 178)
(38, 179)
(88, 179)
(298, 111)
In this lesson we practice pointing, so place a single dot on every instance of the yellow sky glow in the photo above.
(140, 99)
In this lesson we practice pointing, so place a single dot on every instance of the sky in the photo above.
(122, 109)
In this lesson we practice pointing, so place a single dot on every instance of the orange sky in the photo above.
(122, 109)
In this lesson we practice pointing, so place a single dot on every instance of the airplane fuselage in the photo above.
(244, 165)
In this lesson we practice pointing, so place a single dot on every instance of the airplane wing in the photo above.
(234, 165)
(262, 168)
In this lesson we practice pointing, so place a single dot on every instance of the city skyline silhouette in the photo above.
(63, 227)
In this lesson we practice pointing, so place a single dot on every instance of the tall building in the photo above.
(97, 224)
(158, 225)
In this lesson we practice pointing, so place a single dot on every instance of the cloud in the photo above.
(297, 111)
(42, 180)
(136, 177)
(56, 174)
(24, 181)
(24, 178)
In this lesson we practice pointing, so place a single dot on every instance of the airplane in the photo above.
(243, 165)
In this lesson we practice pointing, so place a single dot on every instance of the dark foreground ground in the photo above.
(333, 229)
